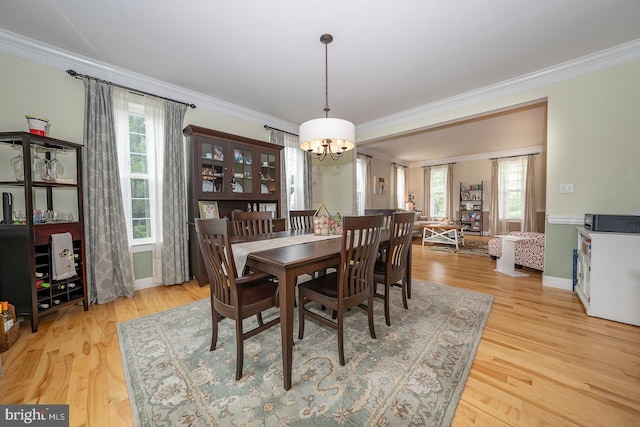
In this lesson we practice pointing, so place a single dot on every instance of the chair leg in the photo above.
(239, 349)
(214, 329)
(301, 318)
(341, 338)
(405, 291)
(370, 316)
(259, 317)
(387, 292)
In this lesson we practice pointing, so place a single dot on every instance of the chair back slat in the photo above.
(360, 239)
(252, 223)
(218, 259)
(301, 220)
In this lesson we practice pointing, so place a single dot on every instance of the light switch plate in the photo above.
(566, 188)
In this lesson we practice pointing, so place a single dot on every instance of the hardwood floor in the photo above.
(541, 361)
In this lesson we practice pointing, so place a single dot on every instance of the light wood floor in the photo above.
(541, 360)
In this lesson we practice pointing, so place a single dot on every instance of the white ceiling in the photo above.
(386, 57)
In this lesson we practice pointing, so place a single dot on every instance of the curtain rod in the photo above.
(511, 157)
(441, 164)
(267, 127)
(398, 164)
(364, 155)
(136, 91)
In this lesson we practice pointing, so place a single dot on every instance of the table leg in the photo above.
(287, 295)
(506, 263)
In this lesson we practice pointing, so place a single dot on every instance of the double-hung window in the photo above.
(361, 183)
(511, 188)
(400, 187)
(438, 192)
(139, 123)
(139, 177)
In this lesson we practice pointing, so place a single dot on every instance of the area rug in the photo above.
(412, 374)
(470, 247)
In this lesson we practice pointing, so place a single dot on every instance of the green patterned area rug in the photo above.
(412, 374)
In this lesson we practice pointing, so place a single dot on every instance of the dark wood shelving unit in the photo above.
(26, 260)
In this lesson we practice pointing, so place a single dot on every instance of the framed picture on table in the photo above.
(208, 209)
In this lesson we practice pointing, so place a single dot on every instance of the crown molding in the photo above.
(32, 50)
(607, 58)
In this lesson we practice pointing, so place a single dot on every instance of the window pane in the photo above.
(438, 205)
(136, 123)
(141, 228)
(140, 208)
(138, 163)
(139, 189)
(138, 143)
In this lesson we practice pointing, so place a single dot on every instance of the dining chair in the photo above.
(301, 220)
(391, 268)
(233, 297)
(351, 285)
(386, 214)
(251, 223)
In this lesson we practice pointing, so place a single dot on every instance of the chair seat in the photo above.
(256, 292)
(326, 285)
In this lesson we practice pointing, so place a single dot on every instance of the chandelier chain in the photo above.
(326, 78)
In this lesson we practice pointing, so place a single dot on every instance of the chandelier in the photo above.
(326, 136)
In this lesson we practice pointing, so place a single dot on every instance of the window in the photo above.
(139, 123)
(438, 192)
(139, 176)
(296, 174)
(511, 188)
(400, 187)
(361, 183)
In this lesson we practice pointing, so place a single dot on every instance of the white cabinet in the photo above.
(608, 275)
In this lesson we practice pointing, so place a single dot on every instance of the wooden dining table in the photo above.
(289, 262)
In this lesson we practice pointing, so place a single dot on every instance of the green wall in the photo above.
(592, 142)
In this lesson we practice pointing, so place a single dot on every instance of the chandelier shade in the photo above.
(326, 136)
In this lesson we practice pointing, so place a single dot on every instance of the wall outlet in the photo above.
(566, 188)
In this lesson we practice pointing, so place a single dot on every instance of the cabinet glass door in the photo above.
(268, 174)
(212, 165)
(242, 171)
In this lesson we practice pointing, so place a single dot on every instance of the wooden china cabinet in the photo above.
(234, 172)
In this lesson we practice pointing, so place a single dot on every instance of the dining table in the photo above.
(290, 259)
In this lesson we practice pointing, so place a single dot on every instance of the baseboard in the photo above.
(557, 282)
(145, 283)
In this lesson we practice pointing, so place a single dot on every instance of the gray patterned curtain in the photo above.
(109, 263)
(175, 234)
